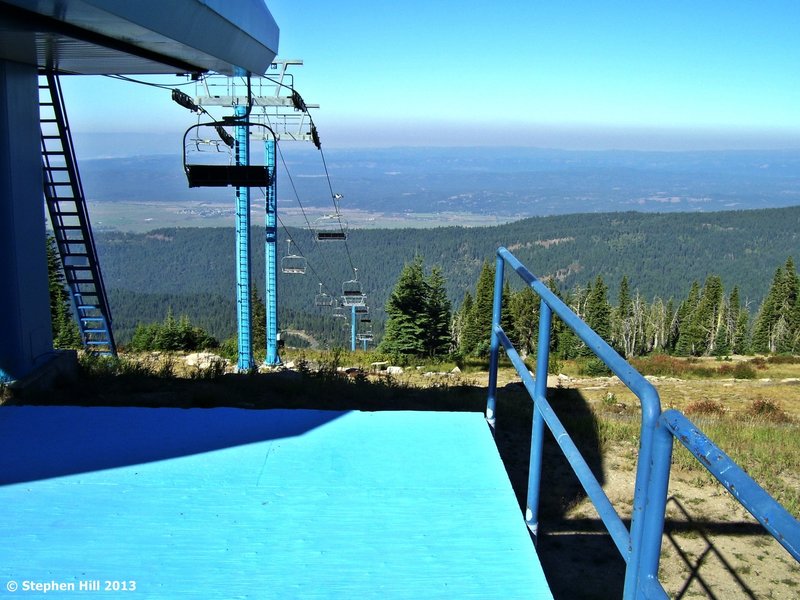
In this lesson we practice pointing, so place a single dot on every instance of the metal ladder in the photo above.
(66, 204)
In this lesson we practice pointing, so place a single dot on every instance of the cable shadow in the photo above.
(671, 527)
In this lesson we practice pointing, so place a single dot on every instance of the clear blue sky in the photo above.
(580, 74)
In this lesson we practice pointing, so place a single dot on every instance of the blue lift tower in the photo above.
(282, 114)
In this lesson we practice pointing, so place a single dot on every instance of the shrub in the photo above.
(744, 371)
(594, 367)
(762, 409)
(661, 365)
(784, 359)
(705, 408)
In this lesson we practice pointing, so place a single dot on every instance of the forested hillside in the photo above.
(192, 270)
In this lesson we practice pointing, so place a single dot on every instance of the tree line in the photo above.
(661, 253)
(707, 322)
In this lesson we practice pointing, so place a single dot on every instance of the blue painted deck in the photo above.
(231, 503)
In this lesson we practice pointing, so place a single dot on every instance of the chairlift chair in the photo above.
(338, 312)
(352, 293)
(209, 157)
(294, 264)
(365, 335)
(362, 310)
(353, 297)
(330, 228)
(323, 299)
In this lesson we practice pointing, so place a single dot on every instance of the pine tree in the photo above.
(64, 327)
(777, 322)
(789, 308)
(406, 310)
(598, 310)
(477, 326)
(506, 318)
(438, 339)
(524, 310)
(563, 341)
(622, 327)
(685, 342)
(168, 336)
(258, 323)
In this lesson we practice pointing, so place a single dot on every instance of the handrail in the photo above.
(640, 547)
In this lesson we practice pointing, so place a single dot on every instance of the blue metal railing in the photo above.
(640, 546)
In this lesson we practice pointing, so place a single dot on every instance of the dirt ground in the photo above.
(712, 547)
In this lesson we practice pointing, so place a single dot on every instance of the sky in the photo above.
(647, 75)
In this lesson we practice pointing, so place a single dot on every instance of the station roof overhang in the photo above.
(101, 37)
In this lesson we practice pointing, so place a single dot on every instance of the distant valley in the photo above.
(419, 187)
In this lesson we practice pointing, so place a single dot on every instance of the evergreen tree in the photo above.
(622, 326)
(258, 323)
(684, 346)
(171, 336)
(438, 339)
(477, 326)
(64, 327)
(524, 310)
(144, 337)
(598, 310)
(778, 319)
(407, 316)
(723, 338)
(563, 341)
(789, 307)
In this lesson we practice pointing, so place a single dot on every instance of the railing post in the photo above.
(494, 346)
(537, 433)
(651, 410)
(649, 549)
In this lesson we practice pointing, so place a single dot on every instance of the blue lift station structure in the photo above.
(89, 37)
